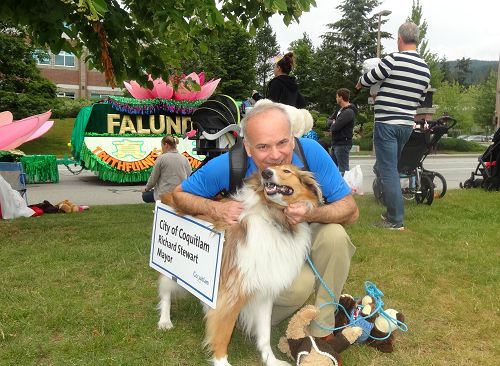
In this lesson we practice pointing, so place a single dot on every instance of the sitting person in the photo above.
(270, 144)
(170, 169)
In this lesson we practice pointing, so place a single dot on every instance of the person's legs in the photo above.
(148, 196)
(331, 254)
(389, 141)
(341, 153)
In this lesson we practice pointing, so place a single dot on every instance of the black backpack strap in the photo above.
(237, 166)
(238, 160)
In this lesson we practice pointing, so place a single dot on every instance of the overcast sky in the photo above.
(456, 28)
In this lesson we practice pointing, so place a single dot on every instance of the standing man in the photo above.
(341, 125)
(268, 141)
(404, 78)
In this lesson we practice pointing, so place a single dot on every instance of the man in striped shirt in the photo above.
(404, 79)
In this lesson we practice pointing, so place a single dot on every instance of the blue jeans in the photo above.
(388, 141)
(340, 155)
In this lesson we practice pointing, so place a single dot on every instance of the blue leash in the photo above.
(371, 290)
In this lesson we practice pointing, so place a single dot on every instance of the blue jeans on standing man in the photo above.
(340, 155)
(388, 141)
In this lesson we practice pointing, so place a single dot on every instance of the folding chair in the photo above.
(14, 174)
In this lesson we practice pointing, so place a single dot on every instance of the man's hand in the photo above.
(297, 212)
(226, 211)
(359, 86)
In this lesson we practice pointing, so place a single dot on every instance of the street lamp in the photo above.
(381, 14)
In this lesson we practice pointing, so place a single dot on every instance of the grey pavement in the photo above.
(86, 189)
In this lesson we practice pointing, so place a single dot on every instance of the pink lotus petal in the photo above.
(137, 91)
(161, 89)
(16, 133)
(193, 76)
(201, 75)
(40, 131)
(208, 89)
(5, 118)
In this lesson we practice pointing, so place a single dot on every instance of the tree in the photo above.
(432, 59)
(126, 38)
(305, 62)
(462, 69)
(266, 47)
(350, 41)
(23, 91)
(484, 102)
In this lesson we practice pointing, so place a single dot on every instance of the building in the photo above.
(73, 77)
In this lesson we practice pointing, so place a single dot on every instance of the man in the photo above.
(268, 141)
(405, 80)
(341, 124)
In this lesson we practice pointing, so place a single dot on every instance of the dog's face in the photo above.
(285, 184)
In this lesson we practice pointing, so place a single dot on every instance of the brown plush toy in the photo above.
(378, 329)
(68, 207)
(312, 351)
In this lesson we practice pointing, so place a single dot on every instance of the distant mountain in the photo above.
(479, 70)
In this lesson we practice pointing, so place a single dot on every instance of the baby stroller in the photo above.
(487, 173)
(216, 122)
(417, 182)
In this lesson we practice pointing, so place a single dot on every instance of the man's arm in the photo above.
(345, 117)
(344, 211)
(219, 211)
(380, 72)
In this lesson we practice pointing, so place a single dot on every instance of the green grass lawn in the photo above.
(77, 289)
(54, 142)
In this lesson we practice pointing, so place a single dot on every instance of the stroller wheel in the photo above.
(440, 185)
(425, 194)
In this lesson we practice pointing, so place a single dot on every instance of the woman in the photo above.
(283, 87)
(170, 169)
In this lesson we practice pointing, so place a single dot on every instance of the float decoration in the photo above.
(119, 138)
(15, 133)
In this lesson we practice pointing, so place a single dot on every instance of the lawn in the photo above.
(54, 142)
(76, 289)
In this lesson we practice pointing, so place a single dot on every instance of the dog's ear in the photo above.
(307, 179)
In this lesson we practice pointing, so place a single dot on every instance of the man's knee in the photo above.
(332, 238)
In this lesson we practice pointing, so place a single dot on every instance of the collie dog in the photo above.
(262, 255)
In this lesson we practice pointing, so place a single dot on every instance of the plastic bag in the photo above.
(13, 205)
(354, 178)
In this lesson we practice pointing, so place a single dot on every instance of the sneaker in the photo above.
(384, 224)
(383, 216)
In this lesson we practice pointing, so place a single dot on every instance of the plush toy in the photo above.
(312, 351)
(301, 119)
(378, 325)
(69, 207)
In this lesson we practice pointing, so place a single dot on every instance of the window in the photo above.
(98, 96)
(70, 95)
(41, 57)
(65, 59)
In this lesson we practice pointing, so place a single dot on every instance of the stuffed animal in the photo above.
(378, 326)
(312, 351)
(301, 119)
(69, 207)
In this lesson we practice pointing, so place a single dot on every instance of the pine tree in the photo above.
(305, 59)
(266, 47)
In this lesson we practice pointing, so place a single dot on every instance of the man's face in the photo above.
(269, 140)
(338, 99)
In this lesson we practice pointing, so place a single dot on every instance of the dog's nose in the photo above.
(267, 173)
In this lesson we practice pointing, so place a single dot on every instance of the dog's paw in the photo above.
(352, 333)
(165, 325)
(221, 361)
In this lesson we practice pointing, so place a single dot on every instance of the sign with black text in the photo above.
(187, 250)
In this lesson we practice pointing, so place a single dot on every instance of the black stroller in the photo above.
(217, 124)
(417, 182)
(487, 173)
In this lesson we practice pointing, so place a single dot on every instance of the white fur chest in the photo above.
(271, 257)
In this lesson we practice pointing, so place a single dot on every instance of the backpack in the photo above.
(238, 159)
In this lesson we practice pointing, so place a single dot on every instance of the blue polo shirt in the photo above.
(213, 177)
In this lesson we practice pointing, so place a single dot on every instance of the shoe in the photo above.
(383, 216)
(384, 224)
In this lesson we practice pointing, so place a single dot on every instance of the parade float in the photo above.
(119, 138)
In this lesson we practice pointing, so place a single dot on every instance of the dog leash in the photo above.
(371, 290)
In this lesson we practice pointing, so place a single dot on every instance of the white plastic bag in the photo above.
(354, 178)
(13, 205)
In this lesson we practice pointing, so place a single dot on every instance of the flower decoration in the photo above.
(183, 87)
(15, 133)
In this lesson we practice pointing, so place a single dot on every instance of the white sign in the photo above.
(187, 250)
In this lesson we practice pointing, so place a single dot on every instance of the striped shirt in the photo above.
(404, 78)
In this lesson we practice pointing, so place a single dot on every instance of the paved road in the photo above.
(86, 189)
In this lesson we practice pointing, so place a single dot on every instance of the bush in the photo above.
(365, 143)
(69, 108)
(24, 105)
(452, 144)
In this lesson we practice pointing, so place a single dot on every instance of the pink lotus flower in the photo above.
(15, 133)
(164, 90)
